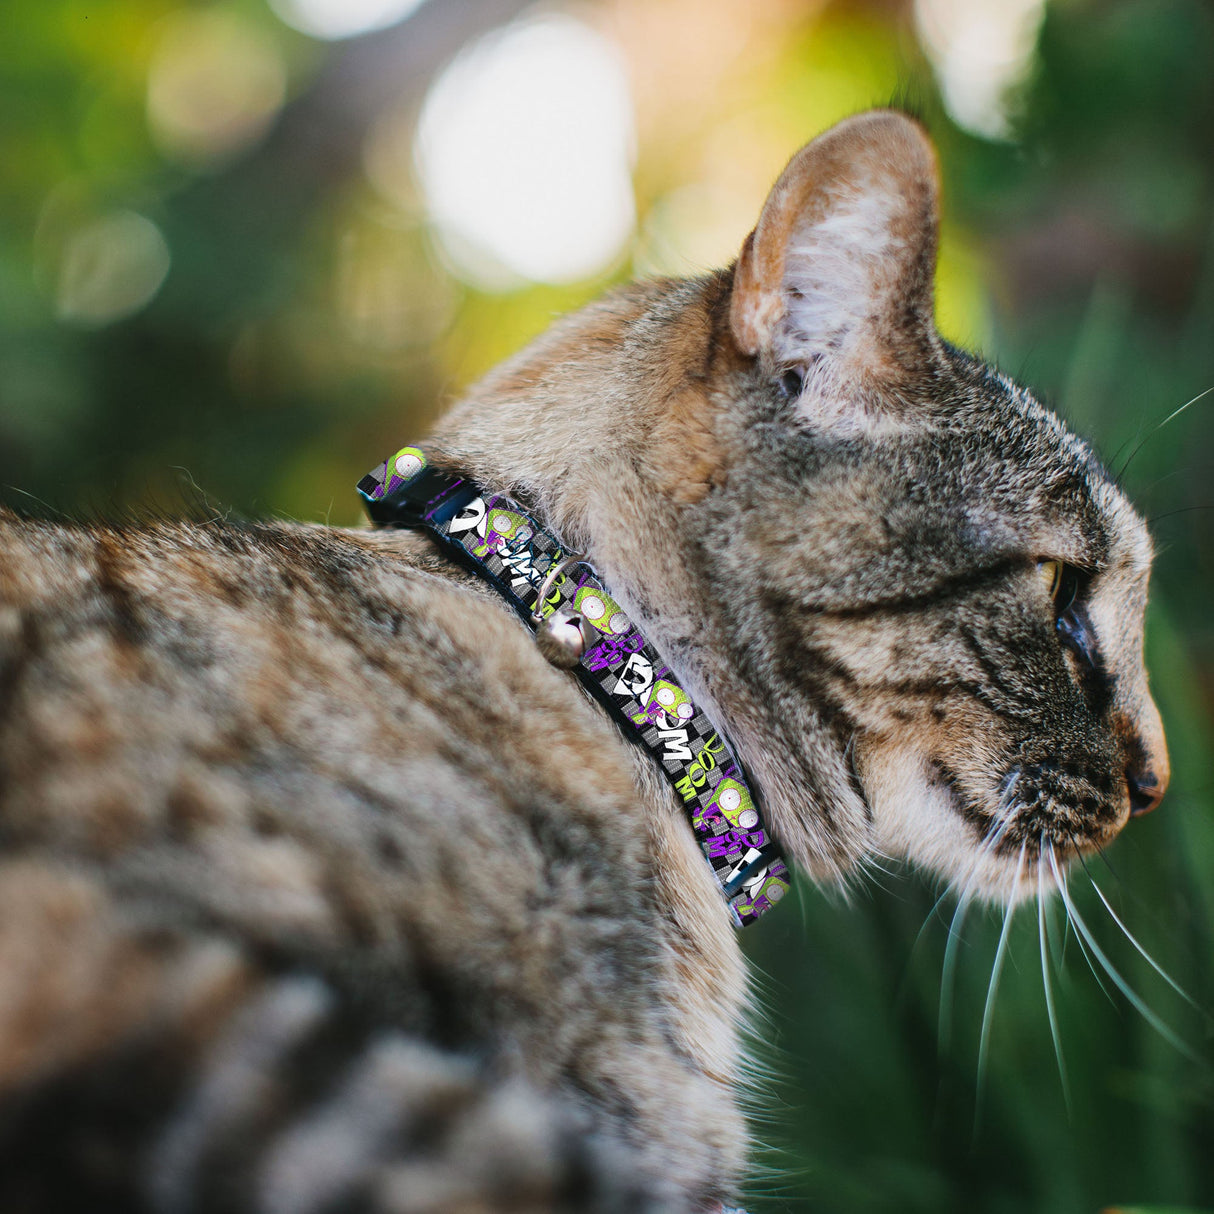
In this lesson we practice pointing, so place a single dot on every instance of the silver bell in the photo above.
(563, 637)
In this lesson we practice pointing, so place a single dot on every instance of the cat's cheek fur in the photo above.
(916, 819)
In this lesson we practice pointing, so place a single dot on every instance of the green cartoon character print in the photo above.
(735, 804)
(764, 889)
(673, 701)
(668, 706)
(503, 527)
(601, 612)
(731, 801)
(484, 529)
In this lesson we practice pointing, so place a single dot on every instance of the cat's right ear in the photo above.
(837, 275)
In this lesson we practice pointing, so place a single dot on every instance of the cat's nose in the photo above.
(1146, 790)
(1146, 752)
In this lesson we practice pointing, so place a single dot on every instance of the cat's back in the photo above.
(164, 686)
(238, 756)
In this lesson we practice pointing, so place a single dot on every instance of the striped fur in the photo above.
(321, 891)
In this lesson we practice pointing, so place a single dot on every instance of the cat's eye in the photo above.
(791, 383)
(1050, 573)
(1067, 587)
(1061, 582)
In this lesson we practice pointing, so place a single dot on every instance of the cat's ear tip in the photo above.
(845, 245)
(887, 139)
(887, 122)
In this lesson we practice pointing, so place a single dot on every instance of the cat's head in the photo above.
(936, 592)
(912, 598)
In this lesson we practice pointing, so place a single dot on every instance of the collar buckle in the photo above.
(406, 490)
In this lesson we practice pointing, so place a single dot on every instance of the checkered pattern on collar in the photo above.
(492, 535)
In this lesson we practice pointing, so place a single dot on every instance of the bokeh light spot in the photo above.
(215, 83)
(110, 268)
(524, 151)
(332, 19)
(981, 50)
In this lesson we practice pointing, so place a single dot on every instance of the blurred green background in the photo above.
(245, 251)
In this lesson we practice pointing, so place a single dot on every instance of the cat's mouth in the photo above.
(1007, 845)
(1043, 817)
(1042, 805)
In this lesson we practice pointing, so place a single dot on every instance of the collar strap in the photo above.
(492, 535)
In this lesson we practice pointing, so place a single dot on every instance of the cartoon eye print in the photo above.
(734, 802)
(773, 888)
(407, 464)
(601, 612)
(668, 705)
(502, 528)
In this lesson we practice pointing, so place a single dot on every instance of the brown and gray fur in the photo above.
(321, 891)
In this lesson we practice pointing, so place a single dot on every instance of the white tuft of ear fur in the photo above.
(831, 274)
(840, 265)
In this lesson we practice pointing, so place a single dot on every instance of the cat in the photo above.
(323, 890)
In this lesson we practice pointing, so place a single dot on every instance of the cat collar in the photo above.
(578, 625)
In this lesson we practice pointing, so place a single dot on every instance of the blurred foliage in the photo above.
(235, 316)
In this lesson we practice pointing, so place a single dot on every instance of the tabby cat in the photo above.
(322, 890)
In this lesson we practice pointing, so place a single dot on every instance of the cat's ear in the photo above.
(838, 273)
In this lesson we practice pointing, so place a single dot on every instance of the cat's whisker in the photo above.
(1155, 518)
(1087, 956)
(1008, 802)
(949, 966)
(1133, 939)
(1168, 476)
(1055, 911)
(1083, 948)
(988, 1010)
(962, 885)
(948, 975)
(1049, 992)
(1131, 995)
(1150, 434)
(1142, 951)
(931, 914)
(1107, 863)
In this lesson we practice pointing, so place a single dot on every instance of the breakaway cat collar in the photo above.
(524, 562)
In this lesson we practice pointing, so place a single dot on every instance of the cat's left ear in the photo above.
(837, 276)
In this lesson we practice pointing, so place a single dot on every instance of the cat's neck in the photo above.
(588, 429)
(608, 428)
(574, 425)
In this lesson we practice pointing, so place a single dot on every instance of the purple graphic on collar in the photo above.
(515, 553)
